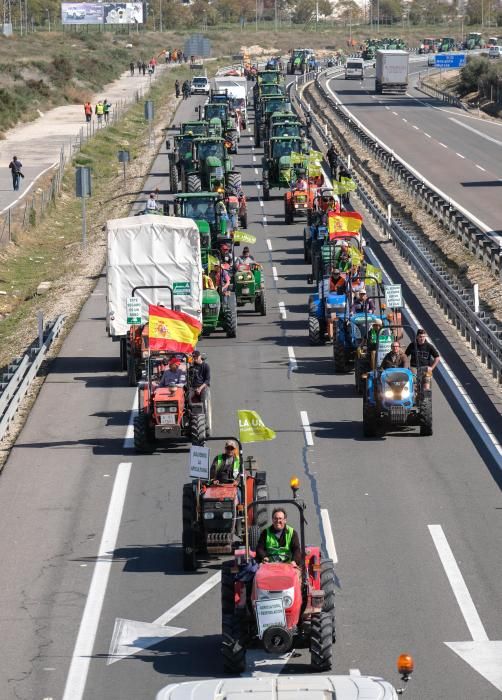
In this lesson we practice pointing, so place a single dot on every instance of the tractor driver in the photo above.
(362, 304)
(225, 468)
(245, 259)
(301, 183)
(201, 377)
(337, 282)
(220, 278)
(396, 357)
(279, 542)
(173, 374)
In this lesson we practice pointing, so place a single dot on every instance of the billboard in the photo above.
(123, 13)
(81, 13)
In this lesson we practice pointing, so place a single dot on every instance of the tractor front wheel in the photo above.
(328, 586)
(173, 176)
(230, 317)
(321, 642)
(369, 420)
(243, 220)
(260, 304)
(198, 428)
(426, 417)
(188, 538)
(266, 189)
(260, 515)
(315, 334)
(339, 357)
(142, 443)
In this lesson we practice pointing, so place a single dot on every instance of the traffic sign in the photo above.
(133, 306)
(393, 296)
(181, 289)
(450, 60)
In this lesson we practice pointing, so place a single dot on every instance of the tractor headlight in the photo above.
(161, 409)
(227, 515)
(389, 394)
(405, 392)
(209, 516)
(288, 601)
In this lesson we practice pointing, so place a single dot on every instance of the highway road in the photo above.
(91, 531)
(457, 152)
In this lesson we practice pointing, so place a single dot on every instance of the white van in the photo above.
(354, 68)
(495, 52)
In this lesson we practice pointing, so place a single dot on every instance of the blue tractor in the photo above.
(323, 308)
(397, 396)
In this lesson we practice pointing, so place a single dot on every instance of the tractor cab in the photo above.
(474, 40)
(211, 165)
(196, 128)
(277, 163)
(201, 206)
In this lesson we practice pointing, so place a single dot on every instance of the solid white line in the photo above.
(82, 653)
(269, 244)
(188, 600)
(476, 131)
(328, 535)
(457, 583)
(274, 273)
(442, 144)
(306, 428)
(129, 436)
(460, 156)
(282, 309)
(428, 135)
(480, 168)
(293, 365)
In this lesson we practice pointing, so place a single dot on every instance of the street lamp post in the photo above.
(48, 17)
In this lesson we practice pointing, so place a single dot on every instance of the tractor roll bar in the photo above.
(157, 286)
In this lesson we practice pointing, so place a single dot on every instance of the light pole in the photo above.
(160, 15)
(48, 17)
(256, 27)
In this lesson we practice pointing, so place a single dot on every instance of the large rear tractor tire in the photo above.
(234, 180)
(198, 428)
(193, 183)
(254, 536)
(142, 441)
(260, 515)
(328, 586)
(173, 177)
(260, 304)
(315, 334)
(426, 417)
(188, 540)
(233, 652)
(266, 189)
(230, 317)
(321, 642)
(339, 357)
(369, 420)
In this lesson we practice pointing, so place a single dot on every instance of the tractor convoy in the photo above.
(172, 279)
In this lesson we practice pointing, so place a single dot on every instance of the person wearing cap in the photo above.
(396, 357)
(371, 338)
(245, 259)
(362, 304)
(173, 374)
(226, 254)
(201, 374)
(342, 259)
(220, 277)
(225, 468)
(301, 183)
(337, 282)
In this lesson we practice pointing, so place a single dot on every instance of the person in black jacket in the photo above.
(15, 166)
(201, 378)
(425, 356)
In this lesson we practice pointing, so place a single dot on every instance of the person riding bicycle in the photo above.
(279, 542)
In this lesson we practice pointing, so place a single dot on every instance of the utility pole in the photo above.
(48, 17)
(275, 14)
(256, 15)
(160, 15)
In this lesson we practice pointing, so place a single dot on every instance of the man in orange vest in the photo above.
(88, 111)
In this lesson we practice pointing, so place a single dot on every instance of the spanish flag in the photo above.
(172, 331)
(349, 221)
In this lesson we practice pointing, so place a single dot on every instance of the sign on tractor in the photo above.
(270, 613)
(133, 309)
(181, 289)
(450, 60)
(393, 296)
(199, 463)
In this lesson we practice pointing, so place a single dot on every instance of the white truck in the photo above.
(151, 255)
(236, 88)
(391, 71)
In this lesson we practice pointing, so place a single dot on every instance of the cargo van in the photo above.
(354, 68)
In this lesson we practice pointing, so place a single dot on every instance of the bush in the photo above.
(478, 70)
(61, 69)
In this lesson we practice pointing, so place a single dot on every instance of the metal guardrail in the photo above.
(444, 209)
(443, 95)
(483, 334)
(21, 373)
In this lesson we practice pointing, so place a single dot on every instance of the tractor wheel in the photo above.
(287, 215)
(357, 377)
(230, 317)
(232, 650)
(194, 184)
(369, 420)
(233, 136)
(142, 442)
(188, 536)
(234, 180)
(260, 304)
(227, 589)
(254, 536)
(339, 357)
(260, 515)
(198, 428)
(266, 189)
(426, 417)
(173, 177)
(315, 335)
(123, 354)
(328, 586)
(305, 246)
(257, 140)
(321, 642)
(208, 412)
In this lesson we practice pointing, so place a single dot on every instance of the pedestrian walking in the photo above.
(15, 166)
(138, 66)
(106, 110)
(131, 66)
(143, 68)
(177, 88)
(100, 110)
(88, 111)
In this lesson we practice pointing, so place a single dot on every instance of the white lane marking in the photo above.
(293, 365)
(480, 168)
(259, 664)
(387, 107)
(416, 127)
(82, 653)
(188, 600)
(469, 409)
(395, 113)
(328, 535)
(129, 436)
(442, 144)
(457, 583)
(476, 131)
(254, 159)
(269, 244)
(306, 428)
(264, 220)
(274, 273)
(258, 185)
(428, 135)
(261, 203)
(256, 171)
(282, 309)
(405, 120)
(460, 156)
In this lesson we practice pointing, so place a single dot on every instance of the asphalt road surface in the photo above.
(457, 152)
(91, 532)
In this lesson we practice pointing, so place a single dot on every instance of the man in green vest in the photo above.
(225, 468)
(279, 542)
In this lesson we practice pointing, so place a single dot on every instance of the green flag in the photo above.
(243, 237)
(252, 428)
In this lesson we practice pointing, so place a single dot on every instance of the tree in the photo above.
(390, 11)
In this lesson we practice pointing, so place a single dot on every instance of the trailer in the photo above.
(391, 71)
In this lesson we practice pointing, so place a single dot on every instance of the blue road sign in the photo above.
(450, 60)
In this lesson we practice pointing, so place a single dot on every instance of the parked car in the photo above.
(495, 52)
(199, 85)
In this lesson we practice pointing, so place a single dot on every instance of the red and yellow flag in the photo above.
(172, 331)
(349, 221)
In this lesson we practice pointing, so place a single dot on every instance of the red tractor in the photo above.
(216, 517)
(171, 413)
(281, 606)
(296, 204)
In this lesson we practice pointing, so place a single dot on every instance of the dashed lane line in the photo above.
(274, 273)
(309, 440)
(269, 244)
(480, 168)
(282, 310)
(293, 364)
(329, 540)
(460, 156)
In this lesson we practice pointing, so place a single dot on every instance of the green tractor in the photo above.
(221, 123)
(211, 166)
(474, 41)
(300, 61)
(283, 124)
(276, 162)
(447, 44)
(197, 128)
(267, 107)
(180, 159)
(202, 206)
(369, 51)
(267, 90)
(249, 284)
